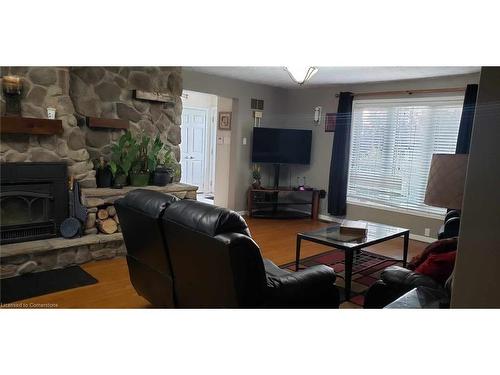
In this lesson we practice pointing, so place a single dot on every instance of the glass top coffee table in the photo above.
(330, 236)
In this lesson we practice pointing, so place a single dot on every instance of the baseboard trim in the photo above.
(416, 237)
(242, 213)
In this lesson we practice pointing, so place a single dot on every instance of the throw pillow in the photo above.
(440, 246)
(438, 266)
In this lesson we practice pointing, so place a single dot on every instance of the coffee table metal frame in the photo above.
(350, 247)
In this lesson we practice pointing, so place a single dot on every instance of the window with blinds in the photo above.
(392, 142)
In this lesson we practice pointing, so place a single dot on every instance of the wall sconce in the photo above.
(317, 115)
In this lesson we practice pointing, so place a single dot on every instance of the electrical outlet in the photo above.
(427, 232)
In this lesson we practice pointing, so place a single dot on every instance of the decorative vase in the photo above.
(162, 176)
(120, 181)
(139, 179)
(103, 177)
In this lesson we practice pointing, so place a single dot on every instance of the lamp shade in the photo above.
(445, 185)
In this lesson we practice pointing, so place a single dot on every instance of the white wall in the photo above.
(477, 269)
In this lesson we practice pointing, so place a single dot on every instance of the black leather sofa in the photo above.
(148, 263)
(188, 254)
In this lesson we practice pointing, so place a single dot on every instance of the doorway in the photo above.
(194, 131)
(198, 136)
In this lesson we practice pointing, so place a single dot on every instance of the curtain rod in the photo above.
(408, 92)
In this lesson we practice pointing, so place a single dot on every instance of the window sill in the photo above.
(394, 209)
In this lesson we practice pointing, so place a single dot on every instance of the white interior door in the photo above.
(194, 125)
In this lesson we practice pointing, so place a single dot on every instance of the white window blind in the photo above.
(392, 142)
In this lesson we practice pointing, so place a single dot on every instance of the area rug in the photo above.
(366, 270)
(40, 283)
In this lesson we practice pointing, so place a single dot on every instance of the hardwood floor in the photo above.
(276, 239)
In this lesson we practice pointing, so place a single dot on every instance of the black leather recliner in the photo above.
(149, 268)
(214, 262)
(451, 225)
(394, 282)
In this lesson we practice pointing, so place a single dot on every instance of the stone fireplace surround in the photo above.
(77, 93)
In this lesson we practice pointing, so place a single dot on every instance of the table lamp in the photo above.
(445, 185)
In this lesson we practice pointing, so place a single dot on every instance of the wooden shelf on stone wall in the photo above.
(28, 125)
(106, 123)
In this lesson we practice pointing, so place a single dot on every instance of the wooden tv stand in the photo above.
(283, 203)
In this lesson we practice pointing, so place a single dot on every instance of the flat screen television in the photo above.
(281, 146)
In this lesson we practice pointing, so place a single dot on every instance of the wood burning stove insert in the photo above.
(33, 200)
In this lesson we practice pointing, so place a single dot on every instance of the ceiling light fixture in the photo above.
(301, 74)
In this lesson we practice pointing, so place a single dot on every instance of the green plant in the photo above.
(124, 153)
(176, 169)
(154, 153)
(166, 158)
(256, 172)
(140, 162)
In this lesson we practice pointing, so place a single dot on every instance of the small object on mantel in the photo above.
(154, 96)
(354, 227)
(107, 123)
(51, 113)
(12, 87)
(28, 125)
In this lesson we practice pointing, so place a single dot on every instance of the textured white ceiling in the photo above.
(276, 76)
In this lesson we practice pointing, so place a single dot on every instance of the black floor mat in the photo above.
(40, 283)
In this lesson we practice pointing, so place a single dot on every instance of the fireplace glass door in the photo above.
(26, 211)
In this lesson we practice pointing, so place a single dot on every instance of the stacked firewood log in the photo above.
(105, 220)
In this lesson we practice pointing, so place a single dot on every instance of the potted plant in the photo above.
(123, 155)
(165, 168)
(140, 172)
(103, 175)
(256, 176)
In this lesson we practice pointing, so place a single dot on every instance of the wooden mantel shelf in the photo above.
(110, 123)
(28, 125)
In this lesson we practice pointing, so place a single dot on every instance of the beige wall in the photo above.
(299, 114)
(477, 269)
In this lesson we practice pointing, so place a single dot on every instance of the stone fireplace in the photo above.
(77, 94)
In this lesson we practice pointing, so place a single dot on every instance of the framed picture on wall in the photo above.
(330, 121)
(225, 120)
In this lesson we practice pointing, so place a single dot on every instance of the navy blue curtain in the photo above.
(339, 164)
(465, 130)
